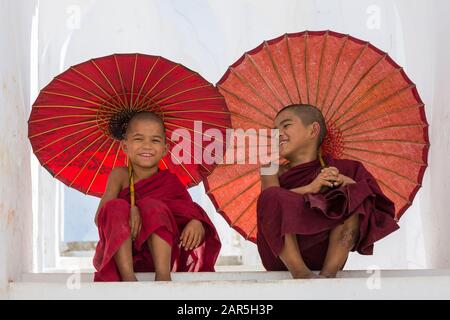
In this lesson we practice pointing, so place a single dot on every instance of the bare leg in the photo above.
(342, 239)
(124, 261)
(161, 254)
(292, 259)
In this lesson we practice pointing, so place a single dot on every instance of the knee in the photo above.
(117, 208)
(150, 204)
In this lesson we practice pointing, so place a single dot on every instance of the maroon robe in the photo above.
(165, 207)
(312, 216)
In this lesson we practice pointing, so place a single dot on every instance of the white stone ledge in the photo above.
(351, 285)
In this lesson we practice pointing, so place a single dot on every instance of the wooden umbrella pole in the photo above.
(130, 175)
(322, 162)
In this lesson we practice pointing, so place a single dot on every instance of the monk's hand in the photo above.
(332, 175)
(135, 222)
(192, 235)
(326, 179)
(344, 180)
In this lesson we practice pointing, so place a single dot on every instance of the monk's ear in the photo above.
(166, 149)
(315, 129)
(124, 146)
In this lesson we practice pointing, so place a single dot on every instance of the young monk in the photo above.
(310, 215)
(165, 231)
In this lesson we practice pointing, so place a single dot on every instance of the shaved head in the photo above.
(309, 114)
(145, 116)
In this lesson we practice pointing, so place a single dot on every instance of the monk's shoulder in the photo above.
(119, 175)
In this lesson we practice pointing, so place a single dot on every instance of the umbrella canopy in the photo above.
(373, 112)
(78, 119)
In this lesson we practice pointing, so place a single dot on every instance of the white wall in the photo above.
(435, 206)
(15, 185)
(208, 36)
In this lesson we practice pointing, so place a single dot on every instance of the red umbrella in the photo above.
(77, 120)
(373, 112)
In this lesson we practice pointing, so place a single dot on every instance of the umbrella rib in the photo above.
(386, 154)
(292, 66)
(144, 99)
(386, 140)
(133, 79)
(165, 164)
(173, 84)
(333, 73)
(117, 155)
(232, 180)
(246, 102)
(184, 168)
(251, 232)
(109, 82)
(251, 185)
(94, 110)
(96, 84)
(198, 110)
(266, 82)
(377, 104)
(250, 120)
(70, 146)
(349, 71)
(192, 100)
(364, 95)
(382, 168)
(121, 81)
(321, 67)
(62, 127)
(382, 116)
(71, 96)
(274, 66)
(62, 117)
(241, 214)
(192, 120)
(100, 166)
(181, 92)
(385, 128)
(394, 191)
(86, 163)
(356, 85)
(73, 159)
(306, 66)
(246, 83)
(64, 137)
(145, 81)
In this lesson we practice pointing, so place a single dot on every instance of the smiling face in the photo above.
(145, 142)
(294, 135)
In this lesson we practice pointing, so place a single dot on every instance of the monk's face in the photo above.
(294, 135)
(145, 143)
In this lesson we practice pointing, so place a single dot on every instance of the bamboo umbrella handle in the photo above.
(130, 175)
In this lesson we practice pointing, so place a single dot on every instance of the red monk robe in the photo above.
(312, 216)
(165, 207)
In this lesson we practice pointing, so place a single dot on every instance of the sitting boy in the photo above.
(311, 215)
(149, 236)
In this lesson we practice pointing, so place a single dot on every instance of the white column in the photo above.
(15, 186)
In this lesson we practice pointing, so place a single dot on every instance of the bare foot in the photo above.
(328, 275)
(131, 278)
(162, 277)
(306, 274)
